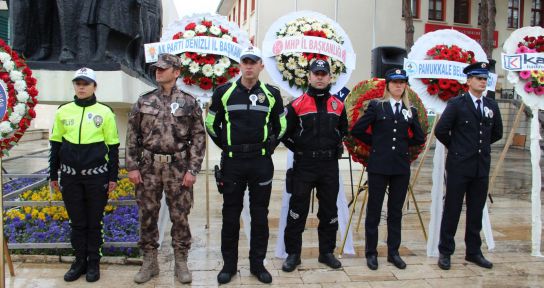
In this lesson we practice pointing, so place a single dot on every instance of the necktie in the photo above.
(397, 109)
(479, 108)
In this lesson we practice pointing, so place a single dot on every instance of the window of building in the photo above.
(252, 6)
(234, 14)
(537, 13)
(514, 9)
(436, 10)
(414, 7)
(461, 11)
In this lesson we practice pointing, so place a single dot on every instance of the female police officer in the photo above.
(390, 126)
(84, 147)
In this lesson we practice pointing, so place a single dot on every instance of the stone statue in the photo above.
(85, 31)
(32, 37)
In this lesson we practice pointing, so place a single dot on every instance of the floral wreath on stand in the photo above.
(356, 103)
(16, 79)
(289, 69)
(449, 45)
(201, 73)
(294, 66)
(530, 83)
(447, 88)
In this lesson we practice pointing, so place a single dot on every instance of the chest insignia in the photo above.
(334, 105)
(262, 97)
(98, 120)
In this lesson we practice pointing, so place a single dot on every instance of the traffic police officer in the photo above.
(390, 126)
(316, 124)
(164, 151)
(245, 119)
(469, 125)
(85, 148)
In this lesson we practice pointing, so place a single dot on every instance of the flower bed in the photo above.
(50, 224)
(19, 183)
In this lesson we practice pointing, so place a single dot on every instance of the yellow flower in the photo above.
(535, 73)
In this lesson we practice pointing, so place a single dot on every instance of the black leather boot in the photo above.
(78, 268)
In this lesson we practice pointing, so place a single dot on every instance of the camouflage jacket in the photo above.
(166, 124)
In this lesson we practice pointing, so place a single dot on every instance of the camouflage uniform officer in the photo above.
(164, 150)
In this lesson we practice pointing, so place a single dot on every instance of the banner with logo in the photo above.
(200, 44)
(442, 69)
(523, 61)
(3, 100)
(309, 44)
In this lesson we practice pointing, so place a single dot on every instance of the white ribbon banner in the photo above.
(442, 69)
(200, 44)
(309, 44)
(523, 62)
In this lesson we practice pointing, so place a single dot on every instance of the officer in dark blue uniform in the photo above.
(469, 125)
(390, 125)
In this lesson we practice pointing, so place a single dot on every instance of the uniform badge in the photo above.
(173, 107)
(181, 102)
(253, 98)
(98, 120)
(334, 105)
(397, 71)
(262, 97)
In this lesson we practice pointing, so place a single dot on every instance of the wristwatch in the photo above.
(192, 172)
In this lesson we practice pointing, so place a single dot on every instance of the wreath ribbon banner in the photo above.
(522, 61)
(442, 69)
(200, 44)
(3, 100)
(309, 44)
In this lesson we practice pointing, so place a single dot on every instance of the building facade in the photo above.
(373, 23)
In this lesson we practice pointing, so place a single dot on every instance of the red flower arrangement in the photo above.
(357, 102)
(206, 71)
(447, 88)
(16, 78)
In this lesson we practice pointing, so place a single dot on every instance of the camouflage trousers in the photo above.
(168, 177)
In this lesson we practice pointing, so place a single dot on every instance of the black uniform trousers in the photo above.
(377, 184)
(256, 174)
(475, 189)
(309, 174)
(85, 198)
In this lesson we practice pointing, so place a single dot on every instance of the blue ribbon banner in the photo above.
(3, 101)
(442, 69)
(523, 62)
(201, 44)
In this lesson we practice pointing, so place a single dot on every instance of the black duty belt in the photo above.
(246, 148)
(318, 154)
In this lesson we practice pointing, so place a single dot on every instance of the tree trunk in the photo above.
(491, 15)
(488, 11)
(409, 21)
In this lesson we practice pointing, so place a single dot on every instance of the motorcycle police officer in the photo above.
(165, 147)
(85, 148)
(389, 125)
(469, 125)
(245, 118)
(316, 123)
